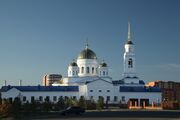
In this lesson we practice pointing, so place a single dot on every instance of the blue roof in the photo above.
(42, 88)
(116, 82)
(139, 89)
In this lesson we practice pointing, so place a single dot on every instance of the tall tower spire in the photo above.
(129, 41)
(129, 31)
(129, 57)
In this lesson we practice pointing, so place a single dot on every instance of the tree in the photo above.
(68, 102)
(16, 107)
(100, 103)
(61, 103)
(5, 108)
(82, 102)
(74, 102)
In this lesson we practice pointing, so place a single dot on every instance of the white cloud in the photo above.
(173, 65)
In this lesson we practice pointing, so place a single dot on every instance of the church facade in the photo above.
(89, 78)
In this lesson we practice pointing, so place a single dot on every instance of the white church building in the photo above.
(89, 78)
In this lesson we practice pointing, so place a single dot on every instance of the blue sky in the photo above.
(39, 37)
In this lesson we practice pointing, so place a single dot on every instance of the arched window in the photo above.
(73, 72)
(87, 70)
(130, 63)
(82, 69)
(92, 70)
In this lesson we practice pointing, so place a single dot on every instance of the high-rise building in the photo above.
(49, 79)
(170, 90)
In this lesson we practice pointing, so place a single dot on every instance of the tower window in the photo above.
(103, 73)
(82, 69)
(130, 63)
(92, 70)
(87, 70)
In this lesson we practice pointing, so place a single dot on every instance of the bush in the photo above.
(90, 105)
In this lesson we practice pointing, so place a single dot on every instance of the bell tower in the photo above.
(129, 57)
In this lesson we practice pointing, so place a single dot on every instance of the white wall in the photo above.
(103, 86)
(16, 93)
(85, 90)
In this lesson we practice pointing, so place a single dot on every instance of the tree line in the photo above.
(16, 107)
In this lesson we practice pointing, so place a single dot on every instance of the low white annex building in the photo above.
(89, 78)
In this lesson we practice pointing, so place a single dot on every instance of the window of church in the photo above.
(106, 73)
(87, 70)
(54, 98)
(82, 69)
(76, 72)
(32, 99)
(40, 98)
(115, 98)
(74, 97)
(47, 99)
(123, 98)
(73, 72)
(108, 90)
(130, 63)
(108, 98)
(24, 98)
(100, 90)
(92, 70)
(100, 73)
(91, 90)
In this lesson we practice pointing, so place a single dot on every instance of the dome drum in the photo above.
(73, 64)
